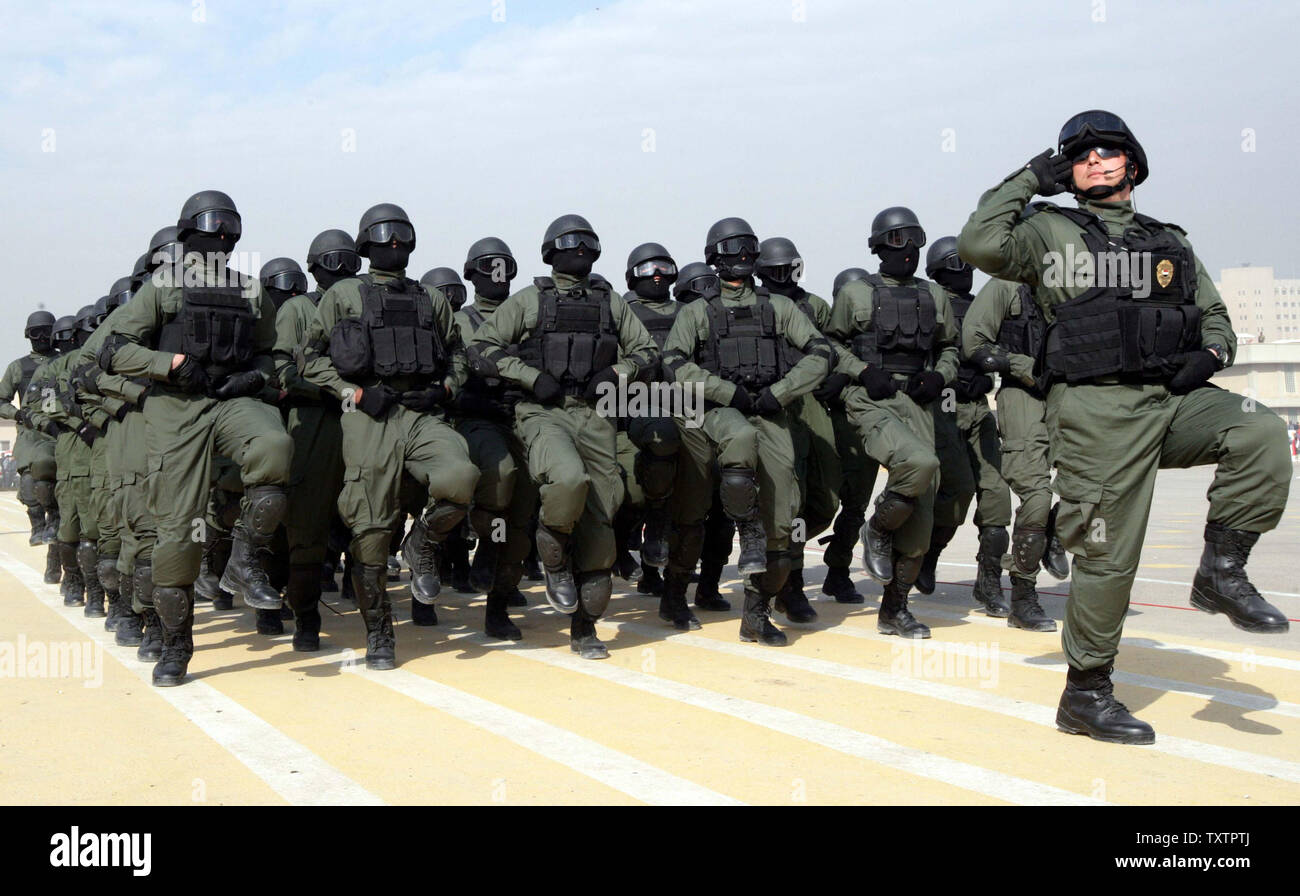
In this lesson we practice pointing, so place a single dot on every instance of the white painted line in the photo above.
(287, 767)
(622, 772)
(1238, 760)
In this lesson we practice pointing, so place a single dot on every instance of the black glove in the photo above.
(1196, 371)
(742, 401)
(831, 387)
(548, 390)
(239, 385)
(190, 376)
(925, 386)
(51, 428)
(23, 418)
(85, 381)
(880, 385)
(991, 359)
(608, 375)
(376, 400)
(1054, 172)
(87, 433)
(979, 386)
(430, 399)
(120, 414)
(767, 405)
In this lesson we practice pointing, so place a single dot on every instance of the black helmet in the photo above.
(1098, 127)
(283, 274)
(448, 282)
(119, 292)
(65, 329)
(101, 310)
(86, 317)
(644, 257)
(483, 254)
(697, 281)
(167, 244)
(568, 232)
(847, 276)
(943, 254)
(210, 211)
(776, 253)
(896, 225)
(726, 230)
(334, 251)
(382, 224)
(140, 272)
(38, 320)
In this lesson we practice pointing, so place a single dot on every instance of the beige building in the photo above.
(1262, 306)
(1268, 373)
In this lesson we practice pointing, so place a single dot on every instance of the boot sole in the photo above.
(306, 648)
(1069, 727)
(690, 625)
(232, 587)
(995, 612)
(168, 682)
(891, 630)
(381, 665)
(514, 635)
(1013, 622)
(748, 638)
(1205, 606)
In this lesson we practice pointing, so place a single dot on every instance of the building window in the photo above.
(1289, 375)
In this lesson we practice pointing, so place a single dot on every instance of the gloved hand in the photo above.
(880, 385)
(980, 385)
(238, 385)
(426, 400)
(120, 414)
(1198, 367)
(190, 376)
(1054, 172)
(991, 359)
(23, 418)
(742, 401)
(924, 386)
(767, 405)
(84, 380)
(376, 400)
(51, 428)
(548, 390)
(831, 387)
(87, 432)
(608, 375)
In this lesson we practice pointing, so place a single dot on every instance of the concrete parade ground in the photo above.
(843, 715)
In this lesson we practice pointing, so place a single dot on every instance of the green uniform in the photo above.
(376, 452)
(572, 448)
(33, 450)
(1110, 437)
(897, 432)
(184, 430)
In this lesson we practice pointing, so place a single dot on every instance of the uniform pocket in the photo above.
(354, 502)
(1079, 525)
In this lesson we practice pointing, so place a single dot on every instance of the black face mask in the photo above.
(42, 343)
(735, 267)
(955, 281)
(647, 288)
(388, 258)
(787, 288)
(574, 262)
(489, 288)
(898, 263)
(81, 338)
(279, 297)
(324, 279)
(206, 244)
(63, 346)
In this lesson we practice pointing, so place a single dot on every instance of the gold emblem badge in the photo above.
(1165, 273)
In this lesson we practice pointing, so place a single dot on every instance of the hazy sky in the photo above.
(651, 117)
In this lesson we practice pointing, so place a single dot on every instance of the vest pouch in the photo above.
(425, 353)
(350, 349)
(1085, 341)
(582, 356)
(555, 354)
(405, 350)
(231, 337)
(886, 320)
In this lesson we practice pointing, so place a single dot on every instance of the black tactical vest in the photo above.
(903, 321)
(27, 367)
(960, 305)
(657, 325)
(214, 326)
(494, 388)
(744, 346)
(476, 318)
(575, 337)
(395, 337)
(1108, 331)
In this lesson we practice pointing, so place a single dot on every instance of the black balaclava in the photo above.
(325, 279)
(389, 257)
(207, 243)
(455, 296)
(899, 263)
(576, 262)
(736, 267)
(647, 288)
(781, 281)
(279, 296)
(958, 282)
(489, 287)
(43, 340)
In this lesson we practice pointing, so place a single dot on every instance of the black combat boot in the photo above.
(216, 555)
(940, 536)
(36, 516)
(892, 510)
(654, 538)
(52, 520)
(127, 631)
(755, 619)
(88, 563)
(109, 579)
(328, 570)
(150, 649)
(348, 590)
(1026, 612)
(1088, 706)
(793, 602)
(247, 570)
(652, 582)
(457, 551)
(707, 596)
(302, 595)
(1221, 586)
(496, 618)
(561, 588)
(1055, 560)
(174, 610)
(895, 618)
(488, 552)
(673, 607)
(74, 585)
(423, 615)
(839, 585)
(738, 492)
(269, 622)
(53, 568)
(377, 614)
(987, 590)
(582, 634)
(626, 566)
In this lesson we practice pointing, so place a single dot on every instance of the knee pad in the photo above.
(738, 488)
(43, 492)
(994, 542)
(893, 509)
(266, 507)
(106, 569)
(142, 580)
(1027, 548)
(906, 569)
(172, 604)
(87, 557)
(594, 591)
(656, 474)
(552, 548)
(443, 518)
(27, 489)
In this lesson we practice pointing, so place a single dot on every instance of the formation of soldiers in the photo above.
(200, 435)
